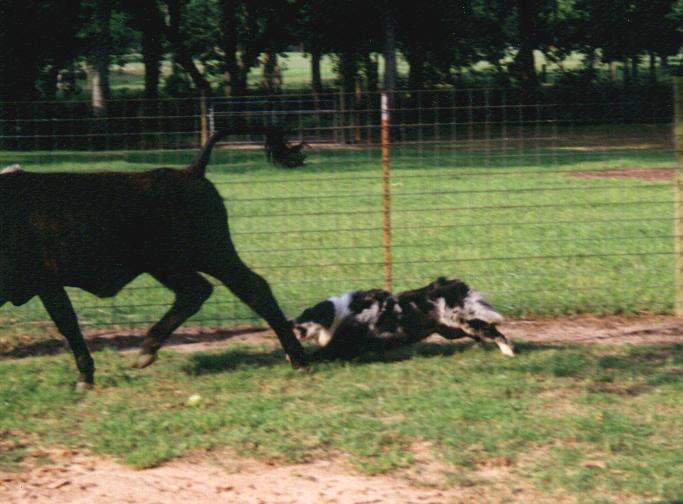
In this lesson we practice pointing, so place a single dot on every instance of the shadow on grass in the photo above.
(230, 360)
(238, 358)
(120, 341)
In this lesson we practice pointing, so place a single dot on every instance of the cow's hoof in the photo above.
(82, 387)
(144, 360)
(300, 363)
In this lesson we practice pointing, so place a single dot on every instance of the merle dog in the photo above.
(349, 324)
(99, 231)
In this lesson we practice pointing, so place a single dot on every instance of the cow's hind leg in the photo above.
(191, 290)
(254, 291)
(58, 306)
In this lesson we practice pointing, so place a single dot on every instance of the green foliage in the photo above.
(441, 40)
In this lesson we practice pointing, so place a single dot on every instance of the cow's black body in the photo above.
(99, 231)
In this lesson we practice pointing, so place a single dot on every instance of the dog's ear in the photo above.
(322, 313)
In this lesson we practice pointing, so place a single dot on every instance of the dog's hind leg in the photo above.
(255, 292)
(453, 333)
(58, 306)
(191, 290)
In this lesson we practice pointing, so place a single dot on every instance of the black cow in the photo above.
(99, 231)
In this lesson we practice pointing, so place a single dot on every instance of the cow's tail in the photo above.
(198, 166)
(278, 151)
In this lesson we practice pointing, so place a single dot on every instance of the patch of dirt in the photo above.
(607, 329)
(643, 329)
(78, 478)
(649, 174)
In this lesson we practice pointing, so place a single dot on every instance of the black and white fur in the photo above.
(356, 321)
(341, 324)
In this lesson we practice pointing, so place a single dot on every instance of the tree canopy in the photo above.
(212, 45)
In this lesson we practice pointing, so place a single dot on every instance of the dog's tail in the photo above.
(477, 307)
(278, 151)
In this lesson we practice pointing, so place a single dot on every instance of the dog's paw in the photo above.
(506, 349)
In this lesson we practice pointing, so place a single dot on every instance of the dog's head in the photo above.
(455, 305)
(316, 322)
(322, 320)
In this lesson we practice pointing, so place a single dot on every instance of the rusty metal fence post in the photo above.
(386, 175)
(678, 194)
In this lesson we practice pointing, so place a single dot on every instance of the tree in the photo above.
(169, 23)
(623, 30)
(527, 21)
(97, 34)
(436, 40)
(32, 45)
(247, 29)
(142, 19)
(315, 18)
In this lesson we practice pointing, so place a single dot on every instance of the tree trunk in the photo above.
(348, 70)
(272, 77)
(653, 67)
(49, 81)
(416, 60)
(590, 60)
(635, 61)
(151, 56)
(235, 75)
(181, 54)
(146, 19)
(316, 80)
(527, 34)
(627, 72)
(390, 72)
(371, 75)
(100, 67)
(97, 100)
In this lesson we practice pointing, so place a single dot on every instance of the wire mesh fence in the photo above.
(549, 208)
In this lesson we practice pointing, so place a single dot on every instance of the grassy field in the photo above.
(597, 423)
(522, 227)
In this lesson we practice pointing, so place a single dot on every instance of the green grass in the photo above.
(597, 423)
(517, 226)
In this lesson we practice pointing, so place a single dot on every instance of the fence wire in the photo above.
(549, 209)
